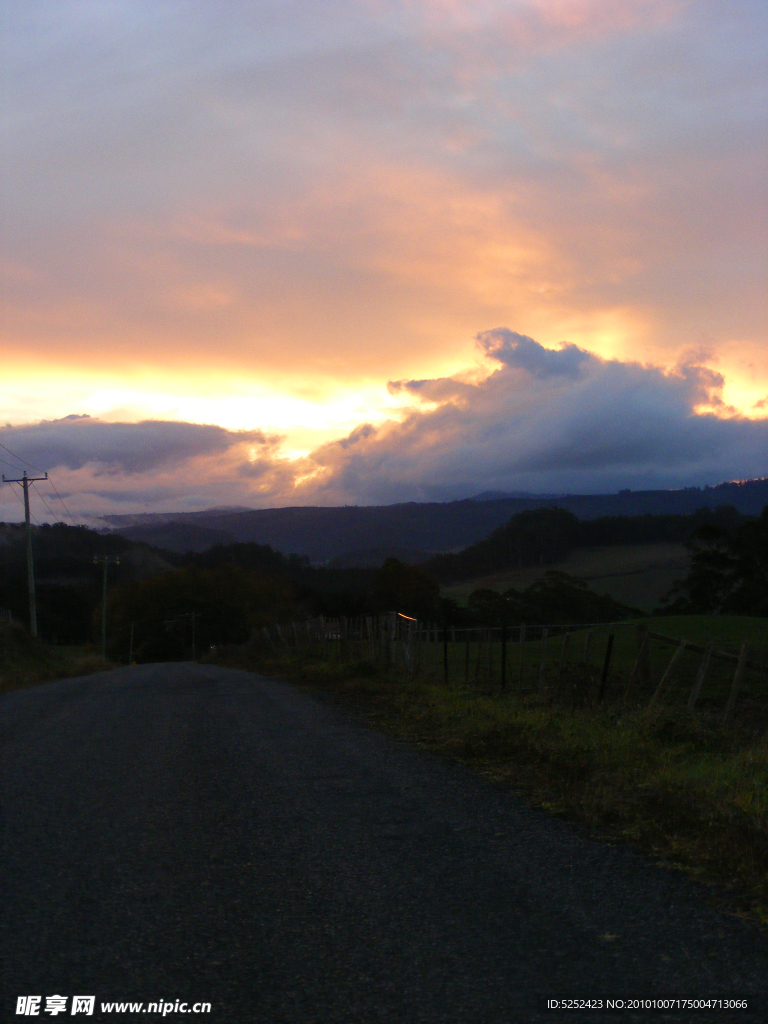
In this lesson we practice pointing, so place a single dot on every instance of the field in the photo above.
(637, 575)
(475, 659)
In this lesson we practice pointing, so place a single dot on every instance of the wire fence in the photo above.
(600, 662)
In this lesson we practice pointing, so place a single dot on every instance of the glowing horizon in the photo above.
(256, 217)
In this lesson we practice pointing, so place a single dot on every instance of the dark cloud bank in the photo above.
(129, 448)
(550, 421)
(544, 421)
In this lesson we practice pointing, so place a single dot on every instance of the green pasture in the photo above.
(637, 575)
(576, 663)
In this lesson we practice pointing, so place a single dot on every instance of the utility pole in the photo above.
(25, 481)
(105, 561)
(192, 616)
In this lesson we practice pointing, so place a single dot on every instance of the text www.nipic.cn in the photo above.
(33, 1006)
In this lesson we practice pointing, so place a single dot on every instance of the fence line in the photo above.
(550, 661)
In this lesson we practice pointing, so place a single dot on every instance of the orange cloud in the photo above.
(301, 210)
(543, 420)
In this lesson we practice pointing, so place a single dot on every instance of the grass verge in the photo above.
(27, 660)
(671, 784)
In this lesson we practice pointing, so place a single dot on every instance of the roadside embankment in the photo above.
(27, 660)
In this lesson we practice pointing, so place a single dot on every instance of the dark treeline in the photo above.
(556, 598)
(547, 535)
(166, 606)
(222, 595)
(729, 570)
(322, 590)
(67, 582)
(230, 589)
(164, 600)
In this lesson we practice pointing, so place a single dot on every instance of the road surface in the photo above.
(191, 833)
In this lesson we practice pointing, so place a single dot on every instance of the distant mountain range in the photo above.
(357, 532)
(493, 495)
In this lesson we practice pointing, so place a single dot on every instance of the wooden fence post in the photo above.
(644, 657)
(445, 653)
(406, 648)
(703, 666)
(543, 663)
(561, 669)
(737, 679)
(503, 655)
(636, 668)
(606, 667)
(668, 674)
(521, 666)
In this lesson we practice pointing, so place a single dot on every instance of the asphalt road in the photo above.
(183, 832)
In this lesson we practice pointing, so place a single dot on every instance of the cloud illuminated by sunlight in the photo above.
(253, 216)
(302, 420)
(541, 418)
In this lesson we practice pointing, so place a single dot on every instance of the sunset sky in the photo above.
(362, 251)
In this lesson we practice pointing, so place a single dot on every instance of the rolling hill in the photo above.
(324, 533)
(638, 575)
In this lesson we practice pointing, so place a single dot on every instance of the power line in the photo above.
(21, 501)
(5, 462)
(13, 455)
(19, 498)
(19, 458)
(23, 460)
(62, 501)
(40, 496)
(26, 462)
